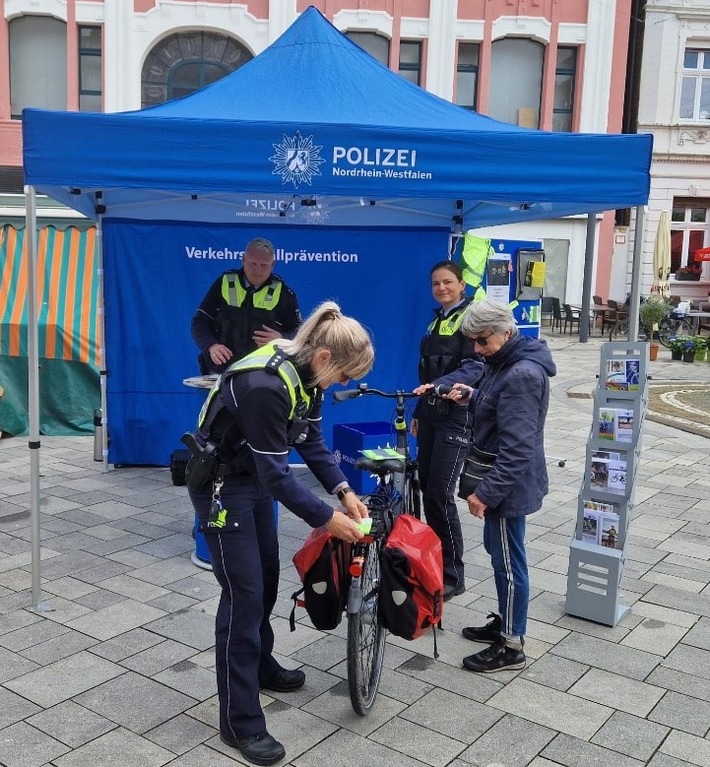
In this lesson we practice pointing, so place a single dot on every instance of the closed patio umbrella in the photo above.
(662, 257)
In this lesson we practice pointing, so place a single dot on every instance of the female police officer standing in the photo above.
(442, 428)
(263, 404)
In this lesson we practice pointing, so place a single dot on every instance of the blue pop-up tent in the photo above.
(312, 143)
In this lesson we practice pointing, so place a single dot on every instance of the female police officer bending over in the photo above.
(265, 403)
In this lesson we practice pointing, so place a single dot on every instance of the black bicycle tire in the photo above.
(621, 329)
(366, 638)
(670, 327)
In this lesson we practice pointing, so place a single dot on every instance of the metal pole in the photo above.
(588, 277)
(635, 298)
(33, 393)
(102, 326)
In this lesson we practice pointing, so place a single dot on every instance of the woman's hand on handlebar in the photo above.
(341, 526)
(422, 389)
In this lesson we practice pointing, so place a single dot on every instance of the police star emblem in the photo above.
(297, 159)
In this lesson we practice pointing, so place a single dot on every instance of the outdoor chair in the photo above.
(570, 317)
(617, 311)
(557, 317)
(546, 310)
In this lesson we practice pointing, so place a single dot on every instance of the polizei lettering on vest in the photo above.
(375, 156)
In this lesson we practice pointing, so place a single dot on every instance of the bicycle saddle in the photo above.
(380, 467)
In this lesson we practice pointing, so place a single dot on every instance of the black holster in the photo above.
(204, 466)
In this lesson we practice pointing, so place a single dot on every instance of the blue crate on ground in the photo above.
(349, 439)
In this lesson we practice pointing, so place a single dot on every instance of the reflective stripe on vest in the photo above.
(234, 293)
(449, 325)
(267, 357)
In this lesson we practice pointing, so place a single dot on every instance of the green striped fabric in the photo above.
(68, 291)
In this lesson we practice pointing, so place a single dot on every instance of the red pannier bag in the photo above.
(322, 565)
(411, 593)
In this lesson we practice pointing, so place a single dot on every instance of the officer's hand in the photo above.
(476, 506)
(459, 393)
(219, 354)
(423, 389)
(414, 427)
(265, 335)
(354, 507)
(341, 526)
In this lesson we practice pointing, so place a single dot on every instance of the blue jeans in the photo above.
(504, 540)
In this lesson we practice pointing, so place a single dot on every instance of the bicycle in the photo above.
(398, 490)
(669, 327)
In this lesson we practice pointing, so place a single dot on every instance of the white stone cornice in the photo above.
(532, 27)
(55, 8)
(364, 21)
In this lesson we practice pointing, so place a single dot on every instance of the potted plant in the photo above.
(700, 347)
(677, 347)
(691, 272)
(689, 351)
(651, 312)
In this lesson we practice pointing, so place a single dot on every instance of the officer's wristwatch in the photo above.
(343, 492)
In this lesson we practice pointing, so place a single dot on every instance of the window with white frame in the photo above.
(690, 231)
(695, 85)
(467, 75)
(378, 46)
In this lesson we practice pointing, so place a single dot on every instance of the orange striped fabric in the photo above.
(67, 291)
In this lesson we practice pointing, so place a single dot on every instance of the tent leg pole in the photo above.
(588, 277)
(102, 324)
(635, 298)
(33, 392)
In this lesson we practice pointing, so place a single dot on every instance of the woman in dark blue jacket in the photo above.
(509, 407)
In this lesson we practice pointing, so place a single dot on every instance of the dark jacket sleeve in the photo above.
(204, 321)
(288, 313)
(468, 373)
(511, 425)
(315, 453)
(262, 415)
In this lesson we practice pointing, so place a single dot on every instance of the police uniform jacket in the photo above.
(232, 310)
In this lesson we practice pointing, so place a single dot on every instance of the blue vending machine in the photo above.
(514, 270)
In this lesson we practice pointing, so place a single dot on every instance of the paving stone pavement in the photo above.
(121, 670)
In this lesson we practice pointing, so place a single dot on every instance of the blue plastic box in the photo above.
(349, 439)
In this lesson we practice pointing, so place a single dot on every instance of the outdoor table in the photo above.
(695, 318)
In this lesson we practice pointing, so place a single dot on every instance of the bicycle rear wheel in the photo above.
(366, 636)
(674, 327)
(620, 331)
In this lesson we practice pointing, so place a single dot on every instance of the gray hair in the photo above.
(261, 243)
(350, 346)
(488, 315)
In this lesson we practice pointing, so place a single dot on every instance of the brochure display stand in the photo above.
(596, 557)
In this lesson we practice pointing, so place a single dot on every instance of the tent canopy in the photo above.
(314, 131)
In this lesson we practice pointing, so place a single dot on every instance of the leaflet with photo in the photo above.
(600, 524)
(615, 424)
(622, 375)
(608, 475)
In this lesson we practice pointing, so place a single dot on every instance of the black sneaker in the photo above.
(497, 657)
(486, 634)
(454, 591)
(257, 749)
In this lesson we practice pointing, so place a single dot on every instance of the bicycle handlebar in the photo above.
(437, 391)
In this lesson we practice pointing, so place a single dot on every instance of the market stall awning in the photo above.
(67, 293)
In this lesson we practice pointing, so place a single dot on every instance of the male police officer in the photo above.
(244, 309)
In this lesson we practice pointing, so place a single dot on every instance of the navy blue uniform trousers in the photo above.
(442, 444)
(245, 560)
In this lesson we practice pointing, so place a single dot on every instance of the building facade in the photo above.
(544, 64)
(674, 106)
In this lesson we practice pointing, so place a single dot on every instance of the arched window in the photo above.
(187, 61)
(38, 63)
(516, 81)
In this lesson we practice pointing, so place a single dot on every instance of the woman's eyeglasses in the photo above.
(481, 340)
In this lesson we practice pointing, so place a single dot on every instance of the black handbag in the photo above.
(477, 464)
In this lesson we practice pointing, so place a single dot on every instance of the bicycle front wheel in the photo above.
(366, 635)
(674, 327)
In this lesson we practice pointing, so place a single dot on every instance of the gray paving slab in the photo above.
(122, 671)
